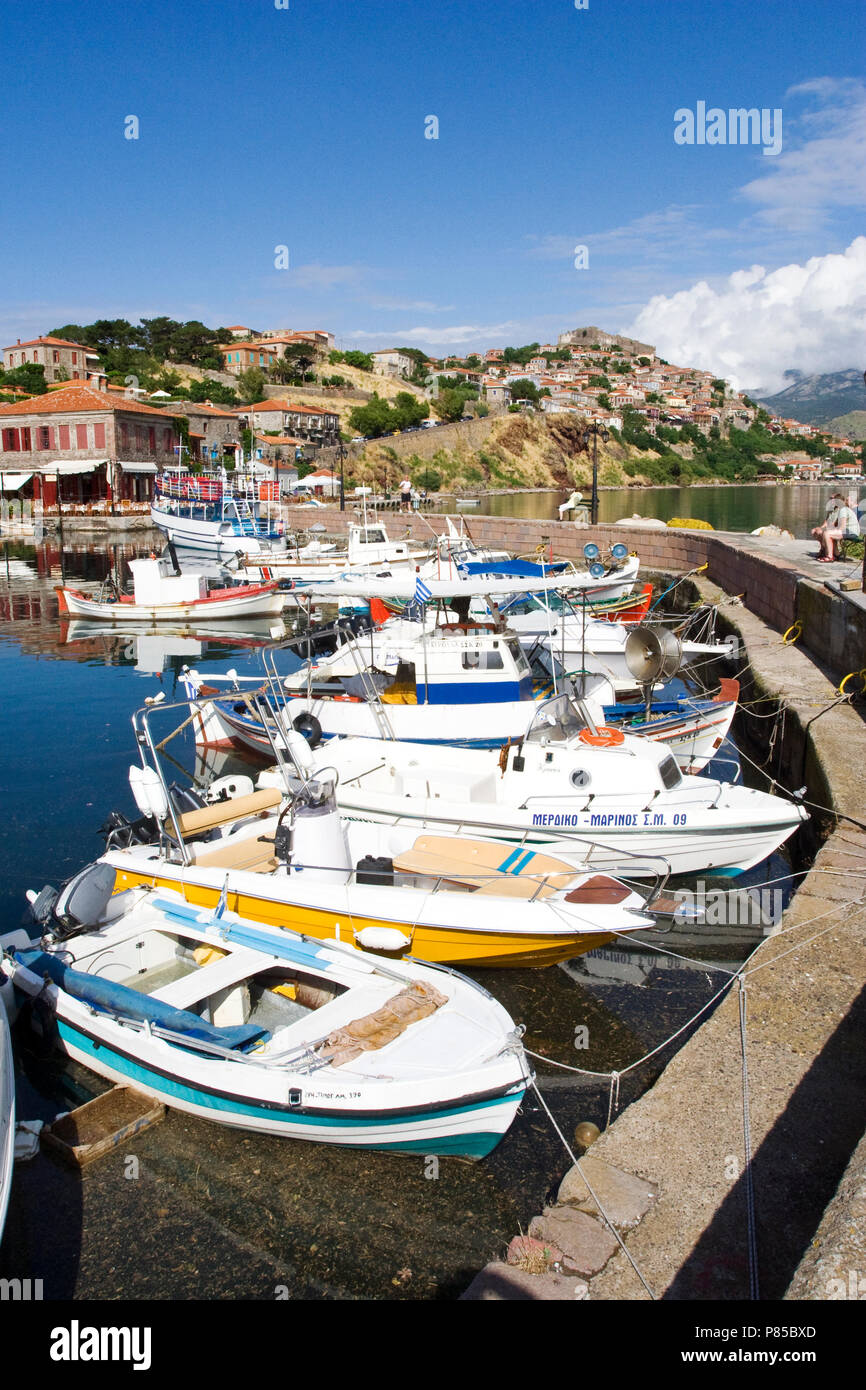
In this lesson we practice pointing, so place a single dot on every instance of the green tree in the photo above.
(524, 390)
(251, 385)
(208, 389)
(30, 377)
(449, 404)
(408, 410)
(373, 419)
(364, 360)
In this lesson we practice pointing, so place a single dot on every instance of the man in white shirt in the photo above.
(405, 494)
(842, 524)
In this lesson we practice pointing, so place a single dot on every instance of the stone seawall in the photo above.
(678, 1153)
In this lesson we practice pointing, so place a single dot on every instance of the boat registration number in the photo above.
(608, 820)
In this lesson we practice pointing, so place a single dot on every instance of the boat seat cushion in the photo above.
(252, 853)
(224, 812)
(490, 868)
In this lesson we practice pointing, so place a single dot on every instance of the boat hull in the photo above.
(211, 536)
(261, 601)
(468, 1130)
(257, 898)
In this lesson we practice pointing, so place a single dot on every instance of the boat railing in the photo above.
(271, 724)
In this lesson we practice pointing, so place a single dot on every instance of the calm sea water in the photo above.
(797, 508)
(217, 1213)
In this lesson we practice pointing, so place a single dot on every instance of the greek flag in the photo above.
(422, 593)
(221, 903)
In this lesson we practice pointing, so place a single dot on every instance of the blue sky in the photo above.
(304, 127)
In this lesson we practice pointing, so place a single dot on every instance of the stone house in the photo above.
(62, 360)
(213, 432)
(390, 362)
(98, 445)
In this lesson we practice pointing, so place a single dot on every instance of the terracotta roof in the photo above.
(74, 397)
(276, 404)
(53, 342)
(200, 408)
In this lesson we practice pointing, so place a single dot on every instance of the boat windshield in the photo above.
(555, 721)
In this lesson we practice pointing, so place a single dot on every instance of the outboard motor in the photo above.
(319, 846)
(88, 900)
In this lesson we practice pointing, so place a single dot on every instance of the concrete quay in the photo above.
(805, 1012)
(805, 1005)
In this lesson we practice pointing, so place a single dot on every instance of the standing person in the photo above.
(405, 494)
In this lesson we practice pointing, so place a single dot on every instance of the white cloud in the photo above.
(760, 323)
(437, 337)
(826, 170)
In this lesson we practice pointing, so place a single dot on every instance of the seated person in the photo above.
(844, 524)
(820, 532)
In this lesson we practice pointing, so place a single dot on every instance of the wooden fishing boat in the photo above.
(162, 594)
(266, 1030)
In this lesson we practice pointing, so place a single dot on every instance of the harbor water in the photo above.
(189, 1209)
(796, 507)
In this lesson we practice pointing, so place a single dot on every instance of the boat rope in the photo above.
(607, 1075)
(751, 1235)
(607, 1221)
(744, 970)
(803, 800)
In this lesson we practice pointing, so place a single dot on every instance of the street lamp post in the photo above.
(592, 432)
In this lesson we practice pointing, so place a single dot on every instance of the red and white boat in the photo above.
(162, 593)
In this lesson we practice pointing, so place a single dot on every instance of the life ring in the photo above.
(605, 737)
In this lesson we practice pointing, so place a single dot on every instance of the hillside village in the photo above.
(98, 414)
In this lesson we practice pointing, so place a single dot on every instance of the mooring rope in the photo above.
(614, 1232)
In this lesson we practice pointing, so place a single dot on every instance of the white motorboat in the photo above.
(211, 513)
(266, 1030)
(586, 646)
(286, 857)
(455, 682)
(162, 593)
(369, 548)
(589, 795)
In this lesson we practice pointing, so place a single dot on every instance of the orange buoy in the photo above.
(605, 737)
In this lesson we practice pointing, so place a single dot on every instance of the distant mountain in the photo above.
(816, 400)
(852, 425)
